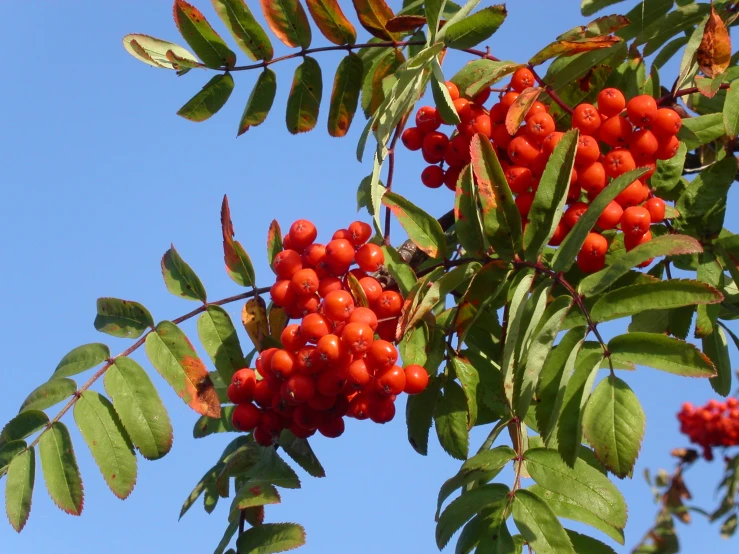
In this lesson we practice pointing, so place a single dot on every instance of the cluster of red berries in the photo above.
(715, 424)
(331, 364)
(615, 137)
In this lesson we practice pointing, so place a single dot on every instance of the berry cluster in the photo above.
(715, 424)
(615, 137)
(331, 364)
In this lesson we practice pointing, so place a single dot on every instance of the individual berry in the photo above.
(302, 233)
(308, 360)
(501, 138)
(329, 284)
(451, 177)
(617, 162)
(461, 146)
(667, 148)
(282, 293)
(313, 255)
(265, 390)
(381, 410)
(452, 89)
(573, 213)
(592, 177)
(291, 338)
(246, 417)
(434, 146)
(428, 119)
(587, 150)
(339, 255)
(342, 234)
(390, 380)
(338, 305)
(560, 232)
(635, 221)
(358, 337)
(360, 232)
(524, 202)
(306, 304)
(381, 355)
(463, 108)
(666, 123)
(412, 138)
(521, 151)
(416, 379)
(522, 79)
(611, 101)
(641, 110)
(633, 195)
(540, 126)
(611, 216)
(358, 375)
(283, 364)
(432, 176)
(656, 208)
(615, 131)
(286, 263)
(536, 108)
(586, 118)
(370, 257)
(371, 287)
(595, 245)
(479, 124)
(332, 351)
(643, 145)
(508, 99)
(314, 326)
(632, 241)
(263, 365)
(498, 113)
(389, 304)
(332, 428)
(482, 96)
(241, 388)
(365, 316)
(304, 282)
(300, 388)
(519, 178)
(551, 141)
(331, 382)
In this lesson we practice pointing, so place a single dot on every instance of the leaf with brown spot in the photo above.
(520, 107)
(373, 16)
(245, 30)
(372, 93)
(156, 52)
(288, 21)
(405, 23)
(174, 357)
(238, 263)
(201, 37)
(570, 48)
(597, 28)
(278, 320)
(360, 298)
(345, 95)
(714, 52)
(332, 22)
(274, 241)
(254, 318)
(304, 100)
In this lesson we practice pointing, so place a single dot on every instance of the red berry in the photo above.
(635, 221)
(641, 110)
(611, 101)
(432, 176)
(428, 119)
(246, 417)
(522, 79)
(416, 379)
(370, 257)
(412, 138)
(302, 234)
(242, 385)
(656, 208)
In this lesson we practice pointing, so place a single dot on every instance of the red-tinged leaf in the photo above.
(597, 28)
(422, 229)
(480, 74)
(245, 30)
(345, 95)
(274, 241)
(174, 357)
(238, 263)
(520, 107)
(405, 23)
(181, 63)
(271, 537)
(332, 22)
(155, 52)
(288, 21)
(570, 48)
(708, 87)
(260, 101)
(372, 93)
(255, 321)
(304, 101)
(201, 37)
(373, 16)
(714, 52)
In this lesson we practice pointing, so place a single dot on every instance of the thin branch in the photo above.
(135, 346)
(391, 174)
(550, 91)
(667, 98)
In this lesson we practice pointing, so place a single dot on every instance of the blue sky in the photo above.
(99, 176)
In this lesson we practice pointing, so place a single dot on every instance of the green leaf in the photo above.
(584, 485)
(157, 52)
(288, 21)
(500, 216)
(304, 100)
(442, 98)
(728, 527)
(731, 110)
(584, 543)
(614, 425)
(8, 451)
(422, 229)
(564, 48)
(301, 453)
(553, 380)
(271, 537)
(450, 416)
(660, 352)
(480, 74)
(228, 536)
(332, 22)
(481, 468)
(373, 16)
(399, 269)
(61, 473)
(81, 359)
(384, 65)
(564, 256)
(518, 293)
(540, 348)
(206, 426)
(702, 206)
(23, 425)
(589, 7)
(19, 488)
(419, 414)
(476, 28)
(467, 220)
(201, 37)
(211, 98)
(122, 318)
(345, 95)
(577, 392)
(463, 508)
(700, 130)
(219, 338)
(566, 508)
(666, 245)
(108, 442)
(538, 524)
(250, 495)
(49, 394)
(173, 356)
(274, 241)
(660, 295)
(432, 9)
(259, 104)
(245, 30)
(139, 407)
(717, 350)
(469, 379)
(548, 205)
(179, 277)
(270, 468)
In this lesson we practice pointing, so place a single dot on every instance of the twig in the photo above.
(135, 346)
(390, 174)
(550, 91)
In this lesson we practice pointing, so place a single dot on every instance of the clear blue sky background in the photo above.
(98, 177)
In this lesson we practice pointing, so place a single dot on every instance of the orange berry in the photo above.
(635, 221)
(390, 381)
(370, 257)
(338, 305)
(382, 354)
(339, 256)
(299, 389)
(656, 208)
(282, 293)
(666, 123)
(587, 150)
(573, 213)
(508, 99)
(611, 101)
(304, 282)
(360, 232)
(381, 410)
(633, 195)
(615, 131)
(389, 304)
(416, 379)
(643, 145)
(522, 79)
(540, 126)
(521, 151)
(519, 178)
(667, 148)
(592, 177)
(452, 89)
(463, 107)
(641, 110)
(618, 161)
(329, 284)
(560, 232)
(283, 364)
(364, 315)
(551, 141)
(358, 337)
(586, 118)
(303, 233)
(524, 202)
(286, 263)
(291, 338)
(632, 241)
(432, 176)
(314, 326)
(611, 216)
(332, 428)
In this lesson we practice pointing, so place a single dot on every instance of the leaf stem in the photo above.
(135, 346)
(550, 91)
